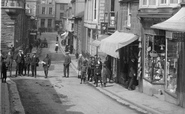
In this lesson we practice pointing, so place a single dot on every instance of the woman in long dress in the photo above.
(56, 47)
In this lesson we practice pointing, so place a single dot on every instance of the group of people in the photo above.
(93, 69)
(24, 62)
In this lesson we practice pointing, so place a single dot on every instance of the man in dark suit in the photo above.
(132, 74)
(19, 61)
(3, 69)
(34, 63)
(27, 63)
(67, 62)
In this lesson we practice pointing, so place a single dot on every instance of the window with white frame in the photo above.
(144, 2)
(49, 22)
(42, 24)
(152, 2)
(128, 15)
(61, 7)
(43, 10)
(174, 1)
(163, 1)
(50, 10)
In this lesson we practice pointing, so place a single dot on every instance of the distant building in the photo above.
(79, 40)
(59, 13)
(46, 15)
(93, 16)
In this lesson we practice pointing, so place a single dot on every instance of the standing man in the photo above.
(132, 74)
(80, 61)
(46, 65)
(27, 63)
(67, 62)
(10, 62)
(18, 60)
(34, 63)
(22, 62)
(3, 69)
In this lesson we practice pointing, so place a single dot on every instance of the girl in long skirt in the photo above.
(56, 47)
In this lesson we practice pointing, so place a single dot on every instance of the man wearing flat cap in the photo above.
(67, 62)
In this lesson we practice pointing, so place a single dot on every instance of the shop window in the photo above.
(172, 65)
(155, 58)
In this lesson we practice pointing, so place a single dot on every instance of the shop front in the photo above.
(120, 48)
(127, 54)
(174, 59)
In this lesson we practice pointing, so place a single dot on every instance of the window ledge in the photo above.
(154, 83)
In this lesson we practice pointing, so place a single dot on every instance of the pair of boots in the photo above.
(82, 79)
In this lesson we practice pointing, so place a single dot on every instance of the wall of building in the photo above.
(58, 11)
(46, 16)
(79, 6)
(32, 4)
(7, 31)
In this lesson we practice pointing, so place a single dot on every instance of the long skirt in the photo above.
(56, 48)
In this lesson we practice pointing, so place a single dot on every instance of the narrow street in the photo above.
(59, 95)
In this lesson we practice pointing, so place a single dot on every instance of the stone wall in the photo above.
(7, 31)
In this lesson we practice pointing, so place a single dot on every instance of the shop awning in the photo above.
(175, 23)
(98, 41)
(117, 40)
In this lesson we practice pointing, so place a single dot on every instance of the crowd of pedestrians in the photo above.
(22, 63)
(93, 70)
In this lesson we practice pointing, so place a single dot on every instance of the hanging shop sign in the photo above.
(176, 35)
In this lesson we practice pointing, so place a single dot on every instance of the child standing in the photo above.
(83, 71)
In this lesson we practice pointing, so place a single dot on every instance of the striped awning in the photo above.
(175, 23)
(117, 40)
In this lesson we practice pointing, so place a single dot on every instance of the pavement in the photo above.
(124, 96)
(10, 101)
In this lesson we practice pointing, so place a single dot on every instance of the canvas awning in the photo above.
(98, 41)
(117, 40)
(175, 23)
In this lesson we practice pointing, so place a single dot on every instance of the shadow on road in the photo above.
(39, 96)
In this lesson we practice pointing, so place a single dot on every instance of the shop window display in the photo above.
(155, 58)
(172, 65)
